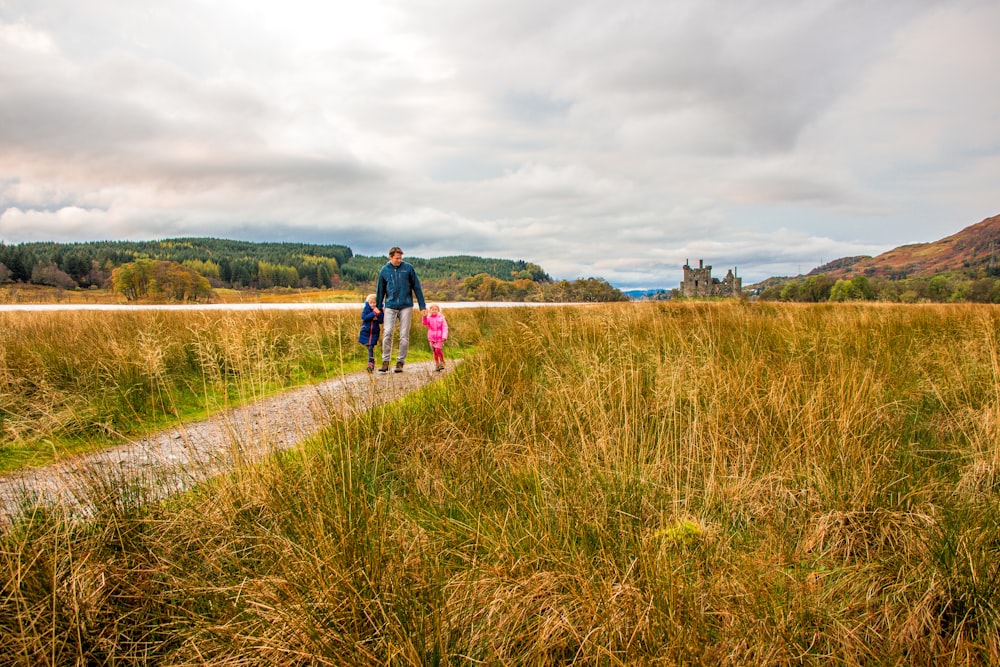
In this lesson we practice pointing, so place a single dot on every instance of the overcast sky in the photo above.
(611, 138)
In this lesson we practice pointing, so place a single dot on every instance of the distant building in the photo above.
(699, 282)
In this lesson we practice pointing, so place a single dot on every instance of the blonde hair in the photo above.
(433, 305)
(370, 297)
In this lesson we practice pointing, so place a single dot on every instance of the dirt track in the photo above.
(175, 459)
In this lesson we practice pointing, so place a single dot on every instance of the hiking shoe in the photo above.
(371, 366)
(399, 367)
(384, 368)
(440, 367)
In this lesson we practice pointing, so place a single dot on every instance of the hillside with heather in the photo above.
(963, 267)
(972, 251)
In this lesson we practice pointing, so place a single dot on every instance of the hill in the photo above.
(363, 268)
(653, 294)
(235, 263)
(973, 251)
(190, 268)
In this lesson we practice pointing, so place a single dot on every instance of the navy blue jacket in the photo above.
(370, 325)
(397, 285)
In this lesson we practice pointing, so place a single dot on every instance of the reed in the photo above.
(694, 483)
(70, 382)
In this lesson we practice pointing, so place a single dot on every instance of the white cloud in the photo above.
(24, 38)
(591, 137)
(43, 225)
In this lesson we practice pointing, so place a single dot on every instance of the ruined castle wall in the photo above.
(700, 283)
(697, 282)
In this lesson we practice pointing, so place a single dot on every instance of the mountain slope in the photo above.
(975, 249)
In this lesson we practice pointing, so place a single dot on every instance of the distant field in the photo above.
(289, 296)
(676, 483)
(42, 294)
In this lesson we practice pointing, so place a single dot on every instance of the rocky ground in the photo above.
(175, 459)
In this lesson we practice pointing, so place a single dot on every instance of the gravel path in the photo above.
(178, 458)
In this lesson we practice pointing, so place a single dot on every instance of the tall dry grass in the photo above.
(74, 381)
(628, 484)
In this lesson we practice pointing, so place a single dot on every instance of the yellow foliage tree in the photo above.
(147, 278)
(133, 280)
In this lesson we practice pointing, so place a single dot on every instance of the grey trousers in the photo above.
(403, 315)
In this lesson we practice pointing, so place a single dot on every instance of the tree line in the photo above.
(225, 263)
(941, 288)
(188, 269)
(483, 287)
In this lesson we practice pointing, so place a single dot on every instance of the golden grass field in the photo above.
(42, 294)
(674, 483)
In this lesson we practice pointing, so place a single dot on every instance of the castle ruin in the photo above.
(700, 283)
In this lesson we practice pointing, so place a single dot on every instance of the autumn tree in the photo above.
(147, 278)
(50, 274)
(176, 282)
(207, 268)
(133, 280)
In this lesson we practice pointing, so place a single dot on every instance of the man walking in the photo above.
(397, 285)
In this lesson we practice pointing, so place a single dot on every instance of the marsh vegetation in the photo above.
(684, 483)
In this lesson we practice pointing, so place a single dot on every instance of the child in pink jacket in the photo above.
(437, 333)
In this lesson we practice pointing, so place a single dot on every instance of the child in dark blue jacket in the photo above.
(371, 320)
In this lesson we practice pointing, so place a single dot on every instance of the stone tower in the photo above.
(700, 283)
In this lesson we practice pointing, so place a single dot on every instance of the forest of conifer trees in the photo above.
(189, 268)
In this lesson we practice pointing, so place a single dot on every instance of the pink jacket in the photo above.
(437, 327)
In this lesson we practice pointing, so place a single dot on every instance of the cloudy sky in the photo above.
(611, 138)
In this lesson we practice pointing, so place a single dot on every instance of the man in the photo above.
(397, 285)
